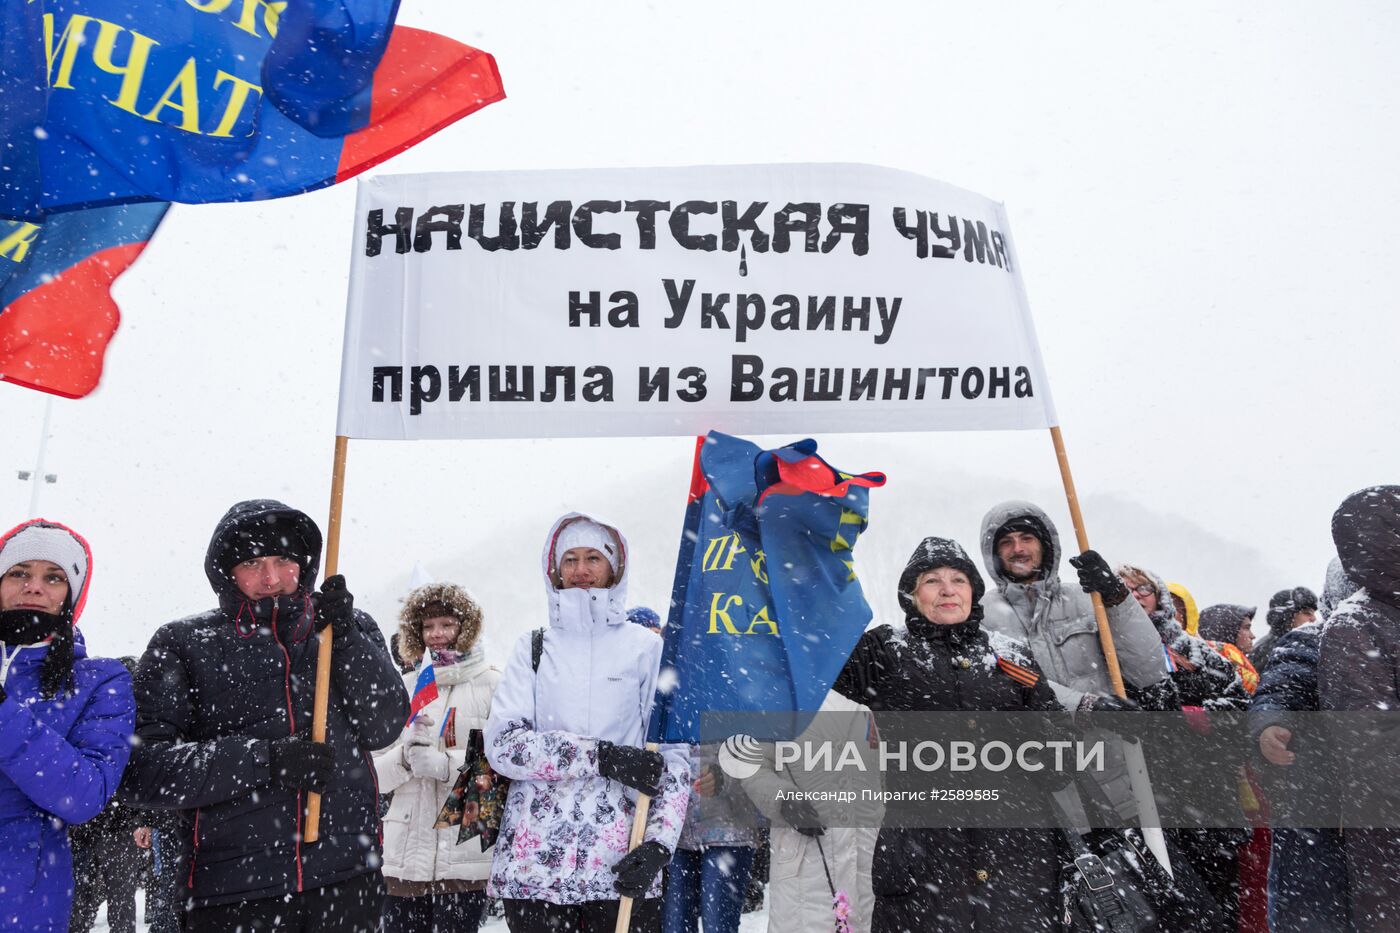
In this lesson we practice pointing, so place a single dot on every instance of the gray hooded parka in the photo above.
(1056, 620)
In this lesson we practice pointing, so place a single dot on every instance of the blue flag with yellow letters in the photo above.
(198, 101)
(110, 109)
(766, 606)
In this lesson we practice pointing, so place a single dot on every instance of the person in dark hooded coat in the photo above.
(1203, 678)
(1359, 669)
(1308, 878)
(953, 879)
(224, 711)
(1227, 627)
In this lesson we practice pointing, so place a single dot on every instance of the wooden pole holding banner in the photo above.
(1082, 538)
(1132, 751)
(639, 831)
(323, 658)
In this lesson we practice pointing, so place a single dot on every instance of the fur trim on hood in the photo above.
(422, 604)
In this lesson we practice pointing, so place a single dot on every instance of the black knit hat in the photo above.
(1285, 604)
(1030, 525)
(929, 555)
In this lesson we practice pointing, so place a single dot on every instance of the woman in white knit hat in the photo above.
(567, 727)
(66, 722)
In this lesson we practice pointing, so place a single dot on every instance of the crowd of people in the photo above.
(518, 784)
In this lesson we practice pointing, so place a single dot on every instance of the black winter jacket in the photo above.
(952, 879)
(1288, 683)
(1358, 669)
(213, 690)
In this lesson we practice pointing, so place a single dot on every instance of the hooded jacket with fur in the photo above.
(415, 851)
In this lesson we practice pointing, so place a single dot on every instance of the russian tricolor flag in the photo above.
(425, 691)
(212, 103)
(56, 309)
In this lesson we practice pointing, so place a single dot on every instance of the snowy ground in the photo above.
(755, 922)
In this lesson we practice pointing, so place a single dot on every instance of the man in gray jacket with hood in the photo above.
(1021, 550)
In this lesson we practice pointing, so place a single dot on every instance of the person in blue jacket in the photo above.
(66, 722)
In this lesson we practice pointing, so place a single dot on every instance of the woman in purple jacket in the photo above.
(66, 722)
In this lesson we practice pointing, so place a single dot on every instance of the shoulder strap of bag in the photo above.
(536, 649)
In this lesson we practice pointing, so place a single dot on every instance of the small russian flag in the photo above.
(424, 692)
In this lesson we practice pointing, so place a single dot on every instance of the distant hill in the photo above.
(500, 562)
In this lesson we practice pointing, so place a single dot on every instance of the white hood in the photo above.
(576, 609)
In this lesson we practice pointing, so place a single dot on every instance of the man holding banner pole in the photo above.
(1021, 550)
(224, 710)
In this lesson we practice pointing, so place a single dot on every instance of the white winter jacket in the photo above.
(566, 825)
(799, 900)
(413, 850)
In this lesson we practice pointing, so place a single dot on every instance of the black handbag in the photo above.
(1102, 886)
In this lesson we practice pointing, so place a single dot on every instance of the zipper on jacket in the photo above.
(291, 724)
(194, 850)
(378, 819)
(6, 659)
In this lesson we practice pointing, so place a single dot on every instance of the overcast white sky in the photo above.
(1203, 199)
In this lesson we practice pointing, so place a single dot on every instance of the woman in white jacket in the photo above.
(434, 884)
(567, 727)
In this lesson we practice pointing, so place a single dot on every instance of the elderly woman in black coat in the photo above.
(942, 659)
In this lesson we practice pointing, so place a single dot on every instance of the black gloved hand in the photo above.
(1096, 703)
(638, 768)
(335, 606)
(802, 816)
(637, 869)
(1162, 696)
(297, 763)
(1095, 576)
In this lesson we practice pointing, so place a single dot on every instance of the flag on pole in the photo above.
(202, 102)
(57, 314)
(765, 606)
(109, 110)
(425, 691)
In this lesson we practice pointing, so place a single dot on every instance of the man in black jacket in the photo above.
(224, 705)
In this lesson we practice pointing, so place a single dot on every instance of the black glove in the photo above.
(1160, 697)
(637, 869)
(3, 694)
(802, 816)
(1095, 576)
(335, 606)
(297, 763)
(638, 768)
(1095, 703)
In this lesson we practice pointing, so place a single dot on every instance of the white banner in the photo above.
(752, 299)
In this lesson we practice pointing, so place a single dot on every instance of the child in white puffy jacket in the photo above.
(434, 883)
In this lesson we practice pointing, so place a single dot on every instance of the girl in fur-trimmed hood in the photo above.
(431, 601)
(431, 880)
